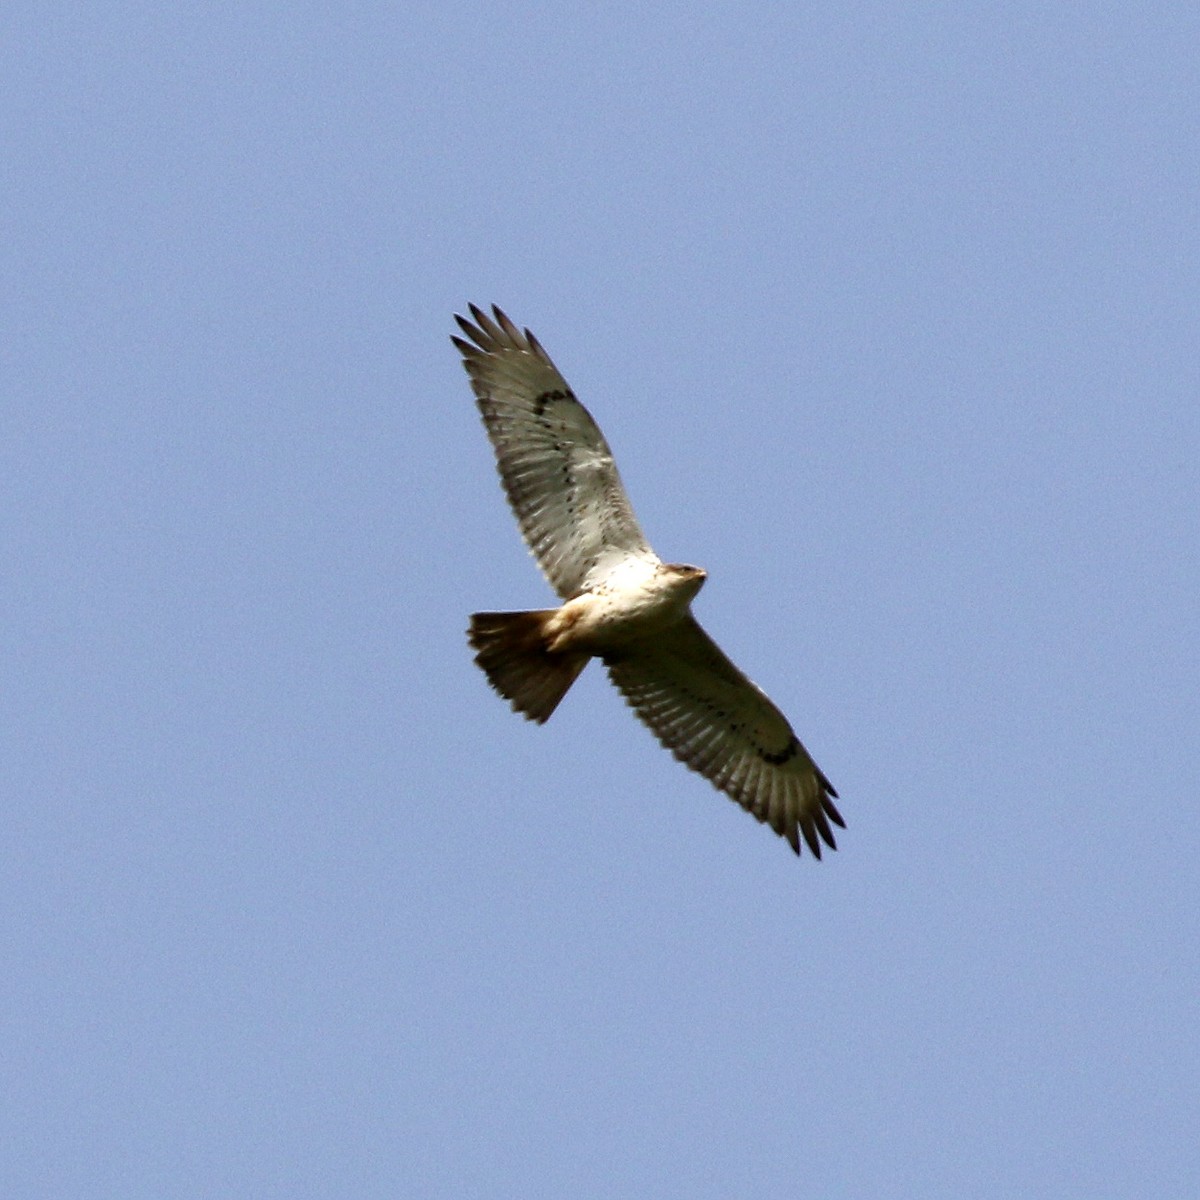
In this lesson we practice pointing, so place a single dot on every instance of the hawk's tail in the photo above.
(512, 651)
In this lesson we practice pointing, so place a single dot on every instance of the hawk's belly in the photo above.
(610, 617)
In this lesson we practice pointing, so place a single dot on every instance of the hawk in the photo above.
(621, 603)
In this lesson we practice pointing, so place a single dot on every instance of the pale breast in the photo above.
(633, 602)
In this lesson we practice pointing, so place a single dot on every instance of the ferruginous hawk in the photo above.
(622, 603)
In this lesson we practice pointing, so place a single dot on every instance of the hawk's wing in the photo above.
(711, 717)
(556, 466)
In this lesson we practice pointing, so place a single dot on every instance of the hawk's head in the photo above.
(685, 578)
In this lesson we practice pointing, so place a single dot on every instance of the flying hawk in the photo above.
(622, 603)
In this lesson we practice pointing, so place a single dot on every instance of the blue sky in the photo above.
(890, 313)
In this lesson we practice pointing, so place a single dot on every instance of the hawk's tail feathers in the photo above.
(511, 649)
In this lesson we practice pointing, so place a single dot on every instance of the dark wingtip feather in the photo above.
(493, 333)
(824, 830)
(831, 810)
(811, 840)
(514, 334)
(470, 330)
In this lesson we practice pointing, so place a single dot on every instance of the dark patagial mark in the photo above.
(788, 752)
(544, 401)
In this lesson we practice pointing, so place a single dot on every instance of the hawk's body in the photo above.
(622, 603)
